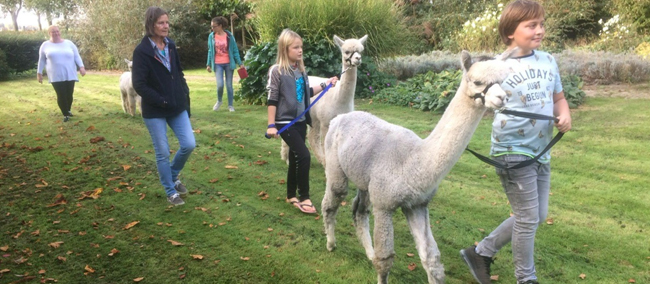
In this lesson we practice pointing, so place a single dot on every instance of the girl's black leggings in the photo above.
(299, 160)
(64, 90)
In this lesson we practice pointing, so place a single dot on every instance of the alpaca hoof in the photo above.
(331, 246)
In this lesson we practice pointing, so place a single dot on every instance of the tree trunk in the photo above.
(14, 18)
(40, 27)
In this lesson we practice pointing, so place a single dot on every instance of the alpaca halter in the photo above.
(482, 94)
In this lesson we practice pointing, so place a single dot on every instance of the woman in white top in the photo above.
(60, 58)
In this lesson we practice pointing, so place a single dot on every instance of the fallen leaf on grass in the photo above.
(90, 128)
(410, 254)
(244, 258)
(142, 195)
(61, 258)
(214, 180)
(55, 244)
(42, 271)
(175, 243)
(582, 276)
(130, 225)
(197, 256)
(88, 269)
(126, 167)
(494, 277)
(631, 281)
(260, 162)
(4, 248)
(113, 252)
(4, 271)
(60, 200)
(44, 184)
(549, 221)
(138, 279)
(231, 167)
(412, 266)
(94, 194)
(96, 139)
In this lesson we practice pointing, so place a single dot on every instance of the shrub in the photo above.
(481, 34)
(433, 91)
(404, 67)
(643, 50)
(370, 79)
(427, 92)
(603, 67)
(572, 86)
(23, 50)
(5, 70)
(317, 20)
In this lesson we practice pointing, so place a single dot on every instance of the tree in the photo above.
(12, 7)
(47, 7)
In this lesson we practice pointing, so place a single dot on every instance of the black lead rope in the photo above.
(555, 139)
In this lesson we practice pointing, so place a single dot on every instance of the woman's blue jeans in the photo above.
(219, 70)
(182, 128)
(527, 190)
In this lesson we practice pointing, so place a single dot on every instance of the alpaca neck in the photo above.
(347, 86)
(443, 147)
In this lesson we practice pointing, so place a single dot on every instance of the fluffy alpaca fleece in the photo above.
(394, 168)
(129, 97)
(339, 99)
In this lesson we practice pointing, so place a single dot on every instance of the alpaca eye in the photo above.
(347, 52)
(478, 83)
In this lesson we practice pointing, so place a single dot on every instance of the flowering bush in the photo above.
(481, 34)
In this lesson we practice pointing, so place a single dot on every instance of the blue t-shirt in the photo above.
(529, 88)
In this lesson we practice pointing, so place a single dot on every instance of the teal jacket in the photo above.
(233, 51)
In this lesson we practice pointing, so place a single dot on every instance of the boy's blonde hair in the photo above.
(287, 37)
(516, 12)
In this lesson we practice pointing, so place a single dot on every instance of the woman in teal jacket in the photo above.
(223, 57)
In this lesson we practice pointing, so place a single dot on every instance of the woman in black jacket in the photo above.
(158, 78)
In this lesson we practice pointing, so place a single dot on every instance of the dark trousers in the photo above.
(64, 90)
(299, 160)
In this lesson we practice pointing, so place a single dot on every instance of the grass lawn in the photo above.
(75, 211)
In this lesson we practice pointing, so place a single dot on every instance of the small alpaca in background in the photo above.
(129, 97)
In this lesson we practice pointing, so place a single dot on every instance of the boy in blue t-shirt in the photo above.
(533, 86)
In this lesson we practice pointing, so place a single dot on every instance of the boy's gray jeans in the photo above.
(527, 190)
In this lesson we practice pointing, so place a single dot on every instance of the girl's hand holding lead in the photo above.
(272, 132)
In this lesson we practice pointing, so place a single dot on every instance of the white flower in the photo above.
(483, 28)
(600, 21)
(605, 28)
(500, 5)
(473, 25)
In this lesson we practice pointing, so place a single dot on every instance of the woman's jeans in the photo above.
(219, 70)
(64, 91)
(527, 190)
(182, 128)
(299, 160)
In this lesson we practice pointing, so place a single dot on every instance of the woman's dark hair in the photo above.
(220, 21)
(150, 18)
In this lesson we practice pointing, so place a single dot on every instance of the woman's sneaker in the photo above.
(175, 199)
(479, 265)
(217, 106)
(231, 109)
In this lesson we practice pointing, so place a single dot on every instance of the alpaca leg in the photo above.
(316, 143)
(138, 101)
(418, 219)
(131, 104)
(284, 152)
(125, 101)
(383, 237)
(335, 191)
(361, 215)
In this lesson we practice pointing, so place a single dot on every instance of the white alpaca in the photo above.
(129, 97)
(338, 99)
(394, 168)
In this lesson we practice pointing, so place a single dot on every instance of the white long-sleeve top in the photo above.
(60, 60)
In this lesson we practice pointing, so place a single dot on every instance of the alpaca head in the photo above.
(129, 63)
(351, 50)
(483, 77)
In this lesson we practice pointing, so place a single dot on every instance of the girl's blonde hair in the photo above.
(287, 37)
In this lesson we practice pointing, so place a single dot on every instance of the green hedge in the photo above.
(23, 48)
(433, 91)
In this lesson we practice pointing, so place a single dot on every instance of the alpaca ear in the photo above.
(508, 53)
(338, 41)
(465, 60)
(363, 39)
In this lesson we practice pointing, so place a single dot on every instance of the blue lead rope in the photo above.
(303, 113)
